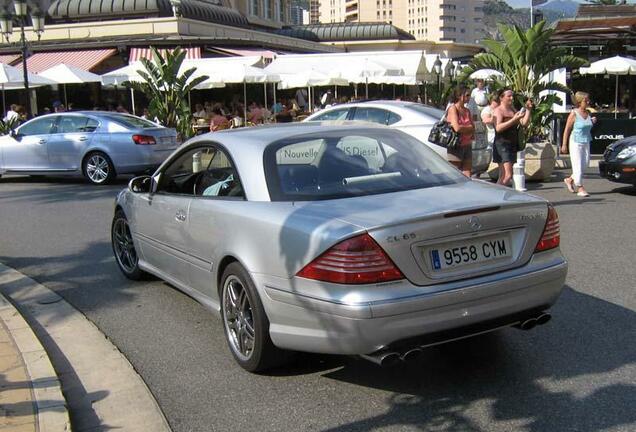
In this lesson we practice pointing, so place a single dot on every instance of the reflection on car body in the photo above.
(302, 245)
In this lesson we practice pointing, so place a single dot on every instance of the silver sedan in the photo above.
(338, 239)
(413, 118)
(98, 145)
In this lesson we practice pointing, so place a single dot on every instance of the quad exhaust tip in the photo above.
(386, 358)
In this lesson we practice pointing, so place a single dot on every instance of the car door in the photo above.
(161, 218)
(218, 194)
(28, 150)
(72, 134)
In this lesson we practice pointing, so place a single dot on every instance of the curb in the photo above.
(49, 403)
(102, 389)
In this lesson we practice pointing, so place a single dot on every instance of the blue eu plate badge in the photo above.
(435, 257)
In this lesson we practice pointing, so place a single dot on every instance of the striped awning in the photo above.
(9, 59)
(85, 60)
(137, 54)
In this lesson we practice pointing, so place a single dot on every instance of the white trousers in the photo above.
(580, 158)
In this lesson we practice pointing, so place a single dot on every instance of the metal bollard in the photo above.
(518, 172)
(196, 162)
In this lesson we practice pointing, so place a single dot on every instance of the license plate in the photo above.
(460, 254)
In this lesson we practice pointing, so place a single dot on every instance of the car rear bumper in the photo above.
(318, 325)
(620, 173)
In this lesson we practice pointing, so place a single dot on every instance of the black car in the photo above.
(619, 161)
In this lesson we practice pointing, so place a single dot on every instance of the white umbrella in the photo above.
(368, 71)
(616, 65)
(486, 74)
(65, 74)
(12, 78)
(310, 78)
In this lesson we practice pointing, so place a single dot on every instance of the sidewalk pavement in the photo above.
(58, 372)
(30, 392)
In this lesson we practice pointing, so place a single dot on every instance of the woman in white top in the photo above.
(576, 138)
(488, 119)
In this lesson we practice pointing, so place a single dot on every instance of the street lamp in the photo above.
(437, 67)
(37, 24)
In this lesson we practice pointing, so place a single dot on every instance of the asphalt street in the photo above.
(577, 373)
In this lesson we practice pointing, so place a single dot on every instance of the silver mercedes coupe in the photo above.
(344, 239)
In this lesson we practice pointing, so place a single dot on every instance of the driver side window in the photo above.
(204, 172)
(40, 126)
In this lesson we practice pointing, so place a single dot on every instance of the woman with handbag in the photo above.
(461, 121)
(507, 122)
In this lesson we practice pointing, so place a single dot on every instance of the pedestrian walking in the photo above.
(507, 124)
(576, 139)
(460, 118)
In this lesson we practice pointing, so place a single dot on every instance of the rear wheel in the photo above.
(98, 168)
(245, 322)
(124, 248)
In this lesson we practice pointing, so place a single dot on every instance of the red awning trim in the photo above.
(139, 53)
(85, 60)
(9, 59)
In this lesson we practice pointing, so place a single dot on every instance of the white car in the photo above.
(413, 118)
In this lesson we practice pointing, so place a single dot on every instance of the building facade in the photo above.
(435, 20)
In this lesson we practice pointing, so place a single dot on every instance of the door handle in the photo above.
(42, 141)
(180, 216)
(82, 138)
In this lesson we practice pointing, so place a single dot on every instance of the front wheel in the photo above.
(245, 322)
(124, 248)
(98, 168)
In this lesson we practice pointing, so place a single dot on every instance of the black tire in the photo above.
(124, 248)
(98, 168)
(247, 320)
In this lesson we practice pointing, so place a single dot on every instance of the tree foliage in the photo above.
(167, 89)
(525, 59)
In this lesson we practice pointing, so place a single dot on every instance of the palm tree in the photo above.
(525, 59)
(166, 89)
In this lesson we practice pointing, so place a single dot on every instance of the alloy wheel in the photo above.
(124, 246)
(97, 168)
(238, 317)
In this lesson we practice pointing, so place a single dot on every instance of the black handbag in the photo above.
(443, 134)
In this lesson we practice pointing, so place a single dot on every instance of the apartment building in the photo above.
(434, 20)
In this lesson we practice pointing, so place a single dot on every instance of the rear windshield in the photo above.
(352, 163)
(130, 122)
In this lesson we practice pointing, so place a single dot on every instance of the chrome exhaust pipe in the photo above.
(412, 355)
(527, 324)
(544, 318)
(383, 358)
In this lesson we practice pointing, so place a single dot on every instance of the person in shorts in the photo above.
(460, 118)
(507, 122)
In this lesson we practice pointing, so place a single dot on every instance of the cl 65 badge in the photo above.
(401, 237)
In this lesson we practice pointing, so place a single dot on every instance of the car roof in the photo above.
(260, 136)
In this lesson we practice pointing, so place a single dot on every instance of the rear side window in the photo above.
(373, 115)
(352, 163)
(130, 122)
(70, 124)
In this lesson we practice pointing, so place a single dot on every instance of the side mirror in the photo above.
(14, 134)
(141, 184)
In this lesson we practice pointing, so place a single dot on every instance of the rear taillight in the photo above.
(144, 139)
(358, 260)
(551, 236)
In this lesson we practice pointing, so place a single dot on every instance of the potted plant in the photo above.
(525, 59)
(166, 89)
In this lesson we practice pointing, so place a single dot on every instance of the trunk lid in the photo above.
(482, 228)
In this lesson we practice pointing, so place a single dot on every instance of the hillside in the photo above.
(498, 11)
